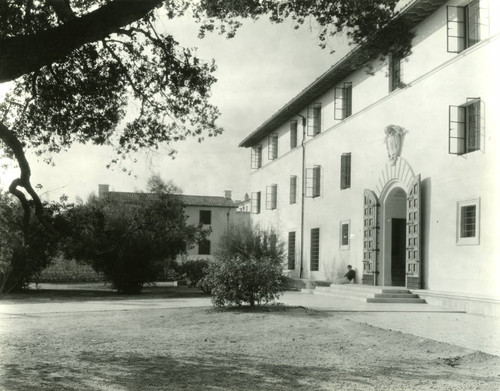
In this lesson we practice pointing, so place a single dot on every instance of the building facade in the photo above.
(216, 213)
(394, 171)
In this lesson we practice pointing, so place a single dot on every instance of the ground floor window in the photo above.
(291, 250)
(314, 249)
(468, 222)
(204, 247)
(344, 234)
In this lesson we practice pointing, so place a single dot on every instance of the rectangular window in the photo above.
(204, 247)
(465, 127)
(206, 217)
(255, 202)
(343, 101)
(272, 146)
(314, 119)
(344, 235)
(293, 189)
(395, 76)
(293, 134)
(291, 250)
(313, 182)
(345, 171)
(468, 222)
(314, 249)
(466, 25)
(257, 156)
(271, 197)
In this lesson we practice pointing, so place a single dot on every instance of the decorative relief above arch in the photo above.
(401, 172)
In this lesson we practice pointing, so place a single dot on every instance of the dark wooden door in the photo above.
(398, 252)
(370, 238)
(413, 255)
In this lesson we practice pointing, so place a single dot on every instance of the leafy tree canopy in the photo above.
(78, 64)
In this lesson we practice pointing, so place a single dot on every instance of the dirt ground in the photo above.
(204, 349)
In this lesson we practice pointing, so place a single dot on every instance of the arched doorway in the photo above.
(394, 238)
(391, 226)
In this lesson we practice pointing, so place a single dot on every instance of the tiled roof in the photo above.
(413, 13)
(188, 200)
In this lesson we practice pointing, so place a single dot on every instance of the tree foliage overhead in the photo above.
(79, 65)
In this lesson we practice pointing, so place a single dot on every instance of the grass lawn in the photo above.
(147, 348)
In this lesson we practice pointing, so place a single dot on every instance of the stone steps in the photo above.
(369, 293)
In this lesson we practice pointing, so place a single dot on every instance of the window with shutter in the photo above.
(255, 202)
(466, 25)
(271, 197)
(314, 119)
(272, 146)
(314, 265)
(343, 101)
(466, 132)
(257, 156)
(313, 182)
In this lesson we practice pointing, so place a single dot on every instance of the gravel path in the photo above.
(154, 348)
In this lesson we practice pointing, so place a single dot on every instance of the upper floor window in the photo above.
(466, 25)
(313, 182)
(343, 101)
(293, 189)
(272, 146)
(206, 217)
(395, 75)
(271, 197)
(345, 171)
(257, 156)
(468, 222)
(293, 134)
(465, 127)
(255, 202)
(314, 119)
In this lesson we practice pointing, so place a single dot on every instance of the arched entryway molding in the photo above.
(394, 178)
(399, 175)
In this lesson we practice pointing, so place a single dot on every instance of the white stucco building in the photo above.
(215, 213)
(414, 204)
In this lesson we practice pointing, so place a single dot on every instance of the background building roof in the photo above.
(187, 200)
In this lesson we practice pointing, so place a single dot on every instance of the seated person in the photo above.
(348, 277)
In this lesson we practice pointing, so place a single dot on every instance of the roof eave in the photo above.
(414, 13)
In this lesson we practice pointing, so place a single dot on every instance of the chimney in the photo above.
(103, 189)
(227, 194)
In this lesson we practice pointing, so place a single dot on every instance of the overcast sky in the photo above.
(259, 71)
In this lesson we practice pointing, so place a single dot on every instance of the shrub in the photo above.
(248, 267)
(193, 271)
